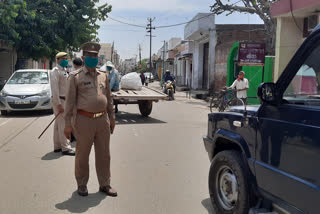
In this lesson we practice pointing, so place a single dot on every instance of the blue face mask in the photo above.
(109, 68)
(64, 63)
(91, 62)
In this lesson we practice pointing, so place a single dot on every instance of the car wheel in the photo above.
(4, 112)
(228, 184)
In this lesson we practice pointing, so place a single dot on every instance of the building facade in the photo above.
(199, 33)
(295, 21)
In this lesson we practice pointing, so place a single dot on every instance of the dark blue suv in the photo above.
(270, 154)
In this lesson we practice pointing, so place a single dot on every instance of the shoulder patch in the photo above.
(75, 73)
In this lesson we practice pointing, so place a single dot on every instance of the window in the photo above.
(305, 87)
(309, 23)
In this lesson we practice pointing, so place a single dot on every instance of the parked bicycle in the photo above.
(223, 99)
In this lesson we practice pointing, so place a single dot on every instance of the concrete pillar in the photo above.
(188, 73)
(212, 54)
(289, 38)
(184, 72)
(197, 72)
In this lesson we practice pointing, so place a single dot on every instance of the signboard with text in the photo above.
(251, 54)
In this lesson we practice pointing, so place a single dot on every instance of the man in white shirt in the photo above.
(241, 84)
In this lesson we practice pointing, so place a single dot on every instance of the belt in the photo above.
(91, 115)
(62, 98)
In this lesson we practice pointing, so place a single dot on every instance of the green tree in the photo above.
(9, 11)
(41, 28)
(144, 66)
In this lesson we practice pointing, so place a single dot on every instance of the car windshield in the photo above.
(29, 78)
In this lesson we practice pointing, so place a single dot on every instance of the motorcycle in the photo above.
(168, 88)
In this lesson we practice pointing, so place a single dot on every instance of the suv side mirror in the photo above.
(266, 92)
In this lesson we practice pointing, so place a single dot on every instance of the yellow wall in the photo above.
(289, 39)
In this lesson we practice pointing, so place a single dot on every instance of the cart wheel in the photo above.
(145, 107)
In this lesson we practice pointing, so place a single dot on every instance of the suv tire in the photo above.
(228, 184)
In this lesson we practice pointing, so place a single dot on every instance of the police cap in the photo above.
(91, 47)
(61, 54)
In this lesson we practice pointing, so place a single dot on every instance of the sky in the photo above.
(166, 12)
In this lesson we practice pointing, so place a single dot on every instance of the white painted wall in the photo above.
(289, 38)
(201, 32)
(193, 29)
(212, 55)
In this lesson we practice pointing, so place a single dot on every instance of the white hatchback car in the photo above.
(26, 89)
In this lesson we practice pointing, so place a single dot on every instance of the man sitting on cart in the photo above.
(114, 79)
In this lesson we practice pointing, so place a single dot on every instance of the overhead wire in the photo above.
(165, 26)
(183, 23)
(126, 23)
(294, 18)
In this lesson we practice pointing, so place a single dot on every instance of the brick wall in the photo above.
(225, 41)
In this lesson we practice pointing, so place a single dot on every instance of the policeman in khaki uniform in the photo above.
(88, 91)
(58, 79)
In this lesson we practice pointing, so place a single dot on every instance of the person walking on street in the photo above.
(241, 84)
(58, 82)
(88, 90)
(77, 63)
(143, 78)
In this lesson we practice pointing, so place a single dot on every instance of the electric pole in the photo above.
(112, 51)
(164, 52)
(139, 54)
(149, 30)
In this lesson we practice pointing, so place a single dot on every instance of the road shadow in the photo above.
(206, 203)
(51, 156)
(79, 204)
(125, 118)
(26, 114)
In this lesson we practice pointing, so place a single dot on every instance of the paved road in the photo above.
(159, 164)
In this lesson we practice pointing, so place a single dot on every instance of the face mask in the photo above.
(91, 62)
(109, 69)
(64, 63)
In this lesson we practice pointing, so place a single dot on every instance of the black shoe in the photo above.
(82, 191)
(57, 150)
(69, 152)
(109, 191)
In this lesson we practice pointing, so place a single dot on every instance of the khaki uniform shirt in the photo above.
(88, 91)
(58, 82)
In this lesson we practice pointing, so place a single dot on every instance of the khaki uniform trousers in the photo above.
(59, 140)
(88, 132)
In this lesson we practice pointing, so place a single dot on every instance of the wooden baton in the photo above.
(49, 125)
